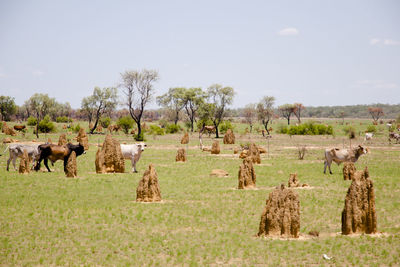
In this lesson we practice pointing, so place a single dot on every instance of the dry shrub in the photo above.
(83, 139)
(281, 215)
(62, 140)
(185, 139)
(247, 174)
(25, 162)
(219, 173)
(229, 137)
(148, 189)
(359, 215)
(71, 170)
(348, 170)
(215, 149)
(181, 155)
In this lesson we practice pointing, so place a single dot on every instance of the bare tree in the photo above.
(376, 113)
(249, 113)
(298, 108)
(138, 90)
(286, 111)
(265, 111)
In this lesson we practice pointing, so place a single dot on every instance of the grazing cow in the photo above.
(342, 155)
(17, 150)
(368, 136)
(133, 152)
(394, 136)
(19, 127)
(55, 152)
(209, 129)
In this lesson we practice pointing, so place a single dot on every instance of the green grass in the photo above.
(47, 219)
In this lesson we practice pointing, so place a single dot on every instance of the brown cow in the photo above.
(19, 127)
(55, 152)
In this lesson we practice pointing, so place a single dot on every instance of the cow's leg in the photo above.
(13, 161)
(46, 161)
(329, 166)
(133, 164)
(65, 164)
(325, 164)
(37, 167)
(8, 163)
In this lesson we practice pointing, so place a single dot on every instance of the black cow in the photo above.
(54, 152)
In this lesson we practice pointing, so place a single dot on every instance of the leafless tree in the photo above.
(249, 114)
(376, 113)
(298, 108)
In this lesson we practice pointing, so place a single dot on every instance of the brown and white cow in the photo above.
(342, 155)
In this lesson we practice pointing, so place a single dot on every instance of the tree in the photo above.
(193, 99)
(173, 100)
(7, 107)
(138, 90)
(100, 102)
(39, 106)
(286, 111)
(219, 98)
(265, 111)
(249, 113)
(298, 107)
(376, 113)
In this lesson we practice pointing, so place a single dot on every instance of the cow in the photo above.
(394, 136)
(209, 129)
(17, 150)
(133, 152)
(19, 127)
(368, 136)
(55, 152)
(342, 155)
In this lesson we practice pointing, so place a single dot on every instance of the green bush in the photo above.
(64, 119)
(163, 123)
(46, 126)
(156, 130)
(105, 122)
(172, 128)
(371, 129)
(224, 126)
(75, 128)
(140, 137)
(125, 123)
(200, 123)
(31, 121)
(308, 128)
(349, 129)
(283, 129)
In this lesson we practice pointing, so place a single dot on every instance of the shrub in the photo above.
(125, 123)
(31, 121)
(283, 129)
(308, 128)
(46, 126)
(75, 128)
(140, 137)
(64, 119)
(163, 123)
(224, 126)
(105, 122)
(349, 129)
(156, 130)
(200, 123)
(172, 128)
(371, 129)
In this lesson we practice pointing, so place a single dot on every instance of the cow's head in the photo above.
(362, 150)
(79, 149)
(141, 146)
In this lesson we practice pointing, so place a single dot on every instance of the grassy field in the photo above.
(48, 219)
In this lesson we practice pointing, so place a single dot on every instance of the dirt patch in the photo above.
(281, 215)
(25, 162)
(71, 170)
(229, 137)
(348, 170)
(219, 173)
(181, 155)
(359, 215)
(247, 174)
(185, 139)
(148, 189)
(215, 149)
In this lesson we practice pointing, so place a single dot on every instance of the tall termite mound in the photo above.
(62, 140)
(215, 148)
(359, 215)
(71, 170)
(247, 174)
(229, 137)
(293, 180)
(185, 139)
(148, 189)
(83, 139)
(110, 158)
(281, 215)
(348, 170)
(24, 163)
(7, 130)
(181, 155)
(254, 153)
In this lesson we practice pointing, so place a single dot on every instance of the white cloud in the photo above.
(288, 32)
(390, 42)
(374, 41)
(37, 72)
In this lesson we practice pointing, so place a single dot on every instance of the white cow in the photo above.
(17, 150)
(342, 155)
(368, 136)
(133, 152)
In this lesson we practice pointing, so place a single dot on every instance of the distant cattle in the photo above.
(394, 136)
(368, 136)
(17, 150)
(19, 127)
(342, 155)
(209, 129)
(55, 152)
(133, 152)
(114, 128)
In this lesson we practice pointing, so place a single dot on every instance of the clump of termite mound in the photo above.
(229, 137)
(109, 158)
(83, 139)
(148, 189)
(215, 149)
(359, 215)
(281, 215)
(348, 170)
(252, 151)
(7, 130)
(62, 140)
(71, 168)
(185, 139)
(247, 174)
(181, 155)
(24, 164)
(294, 181)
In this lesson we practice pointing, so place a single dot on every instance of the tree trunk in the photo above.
(191, 125)
(37, 127)
(251, 128)
(266, 127)
(139, 128)
(94, 127)
(288, 121)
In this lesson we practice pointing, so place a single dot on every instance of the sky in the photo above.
(314, 52)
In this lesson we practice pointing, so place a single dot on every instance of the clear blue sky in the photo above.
(313, 52)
